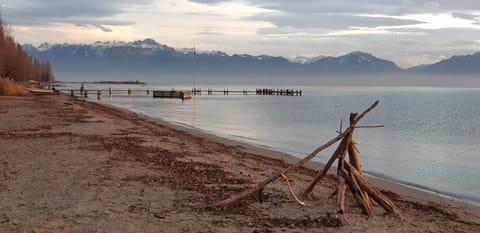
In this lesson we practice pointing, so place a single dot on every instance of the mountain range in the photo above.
(149, 60)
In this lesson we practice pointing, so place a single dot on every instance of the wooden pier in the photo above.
(172, 94)
(181, 94)
(258, 91)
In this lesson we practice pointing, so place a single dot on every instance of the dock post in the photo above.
(110, 91)
(85, 94)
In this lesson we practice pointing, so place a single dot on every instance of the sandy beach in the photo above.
(68, 165)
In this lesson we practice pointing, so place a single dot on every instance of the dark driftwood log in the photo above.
(259, 187)
(341, 188)
(357, 193)
(353, 152)
(381, 199)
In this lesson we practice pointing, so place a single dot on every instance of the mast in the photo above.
(194, 68)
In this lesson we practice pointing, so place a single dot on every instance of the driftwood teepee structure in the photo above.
(349, 174)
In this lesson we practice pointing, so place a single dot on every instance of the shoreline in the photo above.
(390, 183)
(71, 165)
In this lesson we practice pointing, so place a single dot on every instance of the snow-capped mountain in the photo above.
(306, 60)
(358, 62)
(148, 57)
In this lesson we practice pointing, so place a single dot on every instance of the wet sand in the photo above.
(67, 165)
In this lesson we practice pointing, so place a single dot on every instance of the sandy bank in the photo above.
(72, 166)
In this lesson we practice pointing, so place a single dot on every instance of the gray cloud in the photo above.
(331, 21)
(387, 7)
(210, 2)
(201, 14)
(471, 5)
(103, 28)
(208, 33)
(93, 12)
(465, 16)
(431, 6)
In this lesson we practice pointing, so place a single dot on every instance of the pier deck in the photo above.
(173, 93)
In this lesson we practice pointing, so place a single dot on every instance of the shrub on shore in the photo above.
(8, 88)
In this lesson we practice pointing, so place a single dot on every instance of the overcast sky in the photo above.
(408, 32)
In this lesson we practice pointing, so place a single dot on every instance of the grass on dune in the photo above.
(8, 88)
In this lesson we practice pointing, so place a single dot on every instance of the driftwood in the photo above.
(320, 175)
(349, 132)
(259, 187)
(293, 192)
(386, 203)
(357, 193)
(350, 173)
(353, 153)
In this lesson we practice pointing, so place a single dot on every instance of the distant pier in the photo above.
(173, 94)
(181, 94)
(257, 91)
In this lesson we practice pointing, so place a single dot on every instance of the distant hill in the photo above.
(148, 59)
(460, 64)
(355, 62)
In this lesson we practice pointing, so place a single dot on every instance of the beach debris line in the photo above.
(349, 174)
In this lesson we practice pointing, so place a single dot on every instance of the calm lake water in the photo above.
(431, 138)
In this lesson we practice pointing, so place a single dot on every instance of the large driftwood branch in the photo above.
(357, 193)
(353, 153)
(341, 187)
(341, 147)
(381, 199)
(257, 189)
(293, 192)
(248, 193)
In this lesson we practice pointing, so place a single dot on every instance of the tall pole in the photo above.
(194, 68)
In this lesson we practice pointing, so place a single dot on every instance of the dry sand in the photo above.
(67, 165)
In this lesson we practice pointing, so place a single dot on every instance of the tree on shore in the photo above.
(16, 64)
